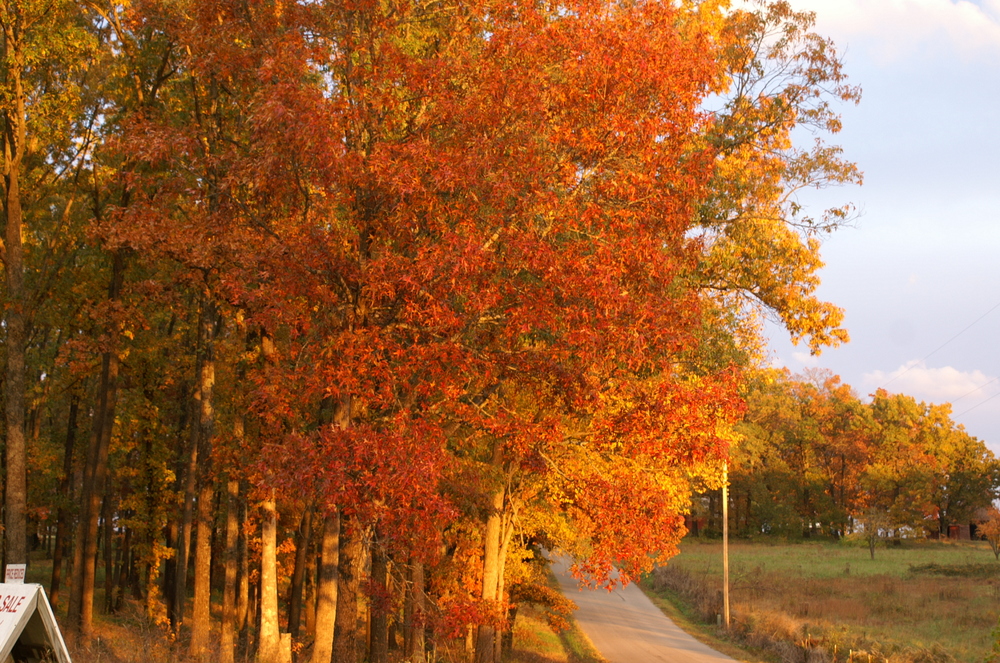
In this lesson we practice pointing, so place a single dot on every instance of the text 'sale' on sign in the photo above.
(28, 629)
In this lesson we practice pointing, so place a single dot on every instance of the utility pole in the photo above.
(725, 543)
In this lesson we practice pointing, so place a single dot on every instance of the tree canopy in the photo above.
(405, 290)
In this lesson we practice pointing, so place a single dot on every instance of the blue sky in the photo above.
(922, 261)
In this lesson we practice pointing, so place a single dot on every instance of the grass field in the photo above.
(920, 601)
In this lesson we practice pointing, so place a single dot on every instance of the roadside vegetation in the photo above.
(917, 601)
(535, 641)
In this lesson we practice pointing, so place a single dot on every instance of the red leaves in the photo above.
(470, 224)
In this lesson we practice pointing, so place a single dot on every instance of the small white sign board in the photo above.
(15, 573)
(28, 629)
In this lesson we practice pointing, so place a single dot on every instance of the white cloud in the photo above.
(805, 359)
(894, 29)
(935, 385)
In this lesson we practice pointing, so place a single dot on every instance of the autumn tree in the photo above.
(45, 47)
(762, 247)
(439, 275)
(990, 529)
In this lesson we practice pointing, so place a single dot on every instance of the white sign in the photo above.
(28, 629)
(15, 573)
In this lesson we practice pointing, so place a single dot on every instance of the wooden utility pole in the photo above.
(725, 544)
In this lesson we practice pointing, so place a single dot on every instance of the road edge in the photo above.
(673, 607)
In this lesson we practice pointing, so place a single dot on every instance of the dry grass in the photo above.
(534, 641)
(810, 602)
(128, 638)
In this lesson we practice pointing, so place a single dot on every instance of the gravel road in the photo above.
(626, 627)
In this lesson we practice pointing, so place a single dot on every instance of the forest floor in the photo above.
(130, 637)
(924, 601)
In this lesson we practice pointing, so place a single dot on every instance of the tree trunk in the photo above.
(124, 571)
(379, 609)
(227, 642)
(413, 629)
(184, 536)
(326, 604)
(310, 596)
(299, 573)
(506, 533)
(268, 649)
(95, 476)
(201, 618)
(350, 569)
(205, 421)
(65, 494)
(491, 571)
(94, 488)
(15, 343)
(109, 576)
(243, 589)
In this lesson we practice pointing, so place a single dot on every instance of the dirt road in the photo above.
(626, 627)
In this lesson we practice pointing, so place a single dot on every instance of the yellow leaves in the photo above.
(760, 248)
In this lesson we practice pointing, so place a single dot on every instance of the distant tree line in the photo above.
(815, 459)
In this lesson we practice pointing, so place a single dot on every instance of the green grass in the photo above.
(828, 559)
(918, 601)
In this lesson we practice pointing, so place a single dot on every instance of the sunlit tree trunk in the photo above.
(378, 610)
(506, 533)
(413, 616)
(205, 421)
(347, 639)
(227, 641)
(326, 591)
(491, 573)
(187, 520)
(267, 652)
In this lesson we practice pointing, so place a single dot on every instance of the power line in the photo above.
(977, 405)
(985, 384)
(935, 350)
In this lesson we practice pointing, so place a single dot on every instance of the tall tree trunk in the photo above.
(379, 609)
(243, 588)
(413, 619)
(97, 469)
(65, 490)
(506, 533)
(350, 569)
(299, 572)
(187, 520)
(201, 618)
(15, 343)
(268, 650)
(326, 603)
(109, 576)
(309, 594)
(205, 421)
(491, 571)
(227, 642)
(170, 535)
